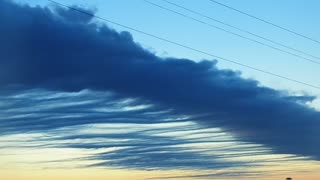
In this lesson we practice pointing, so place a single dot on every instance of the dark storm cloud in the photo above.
(53, 50)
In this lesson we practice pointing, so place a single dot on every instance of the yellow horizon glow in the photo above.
(111, 174)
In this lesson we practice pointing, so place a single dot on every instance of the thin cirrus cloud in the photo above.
(53, 50)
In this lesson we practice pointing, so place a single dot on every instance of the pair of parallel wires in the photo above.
(234, 33)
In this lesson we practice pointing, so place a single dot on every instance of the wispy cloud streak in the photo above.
(152, 139)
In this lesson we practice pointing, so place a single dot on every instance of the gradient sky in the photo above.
(54, 126)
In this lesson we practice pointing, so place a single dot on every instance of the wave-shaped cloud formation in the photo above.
(55, 50)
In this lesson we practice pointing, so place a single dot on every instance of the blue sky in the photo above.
(98, 104)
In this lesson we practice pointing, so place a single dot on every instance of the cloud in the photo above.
(39, 49)
(89, 129)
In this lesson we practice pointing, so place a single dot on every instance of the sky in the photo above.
(82, 98)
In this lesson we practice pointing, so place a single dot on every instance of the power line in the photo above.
(233, 33)
(267, 22)
(185, 46)
(241, 30)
